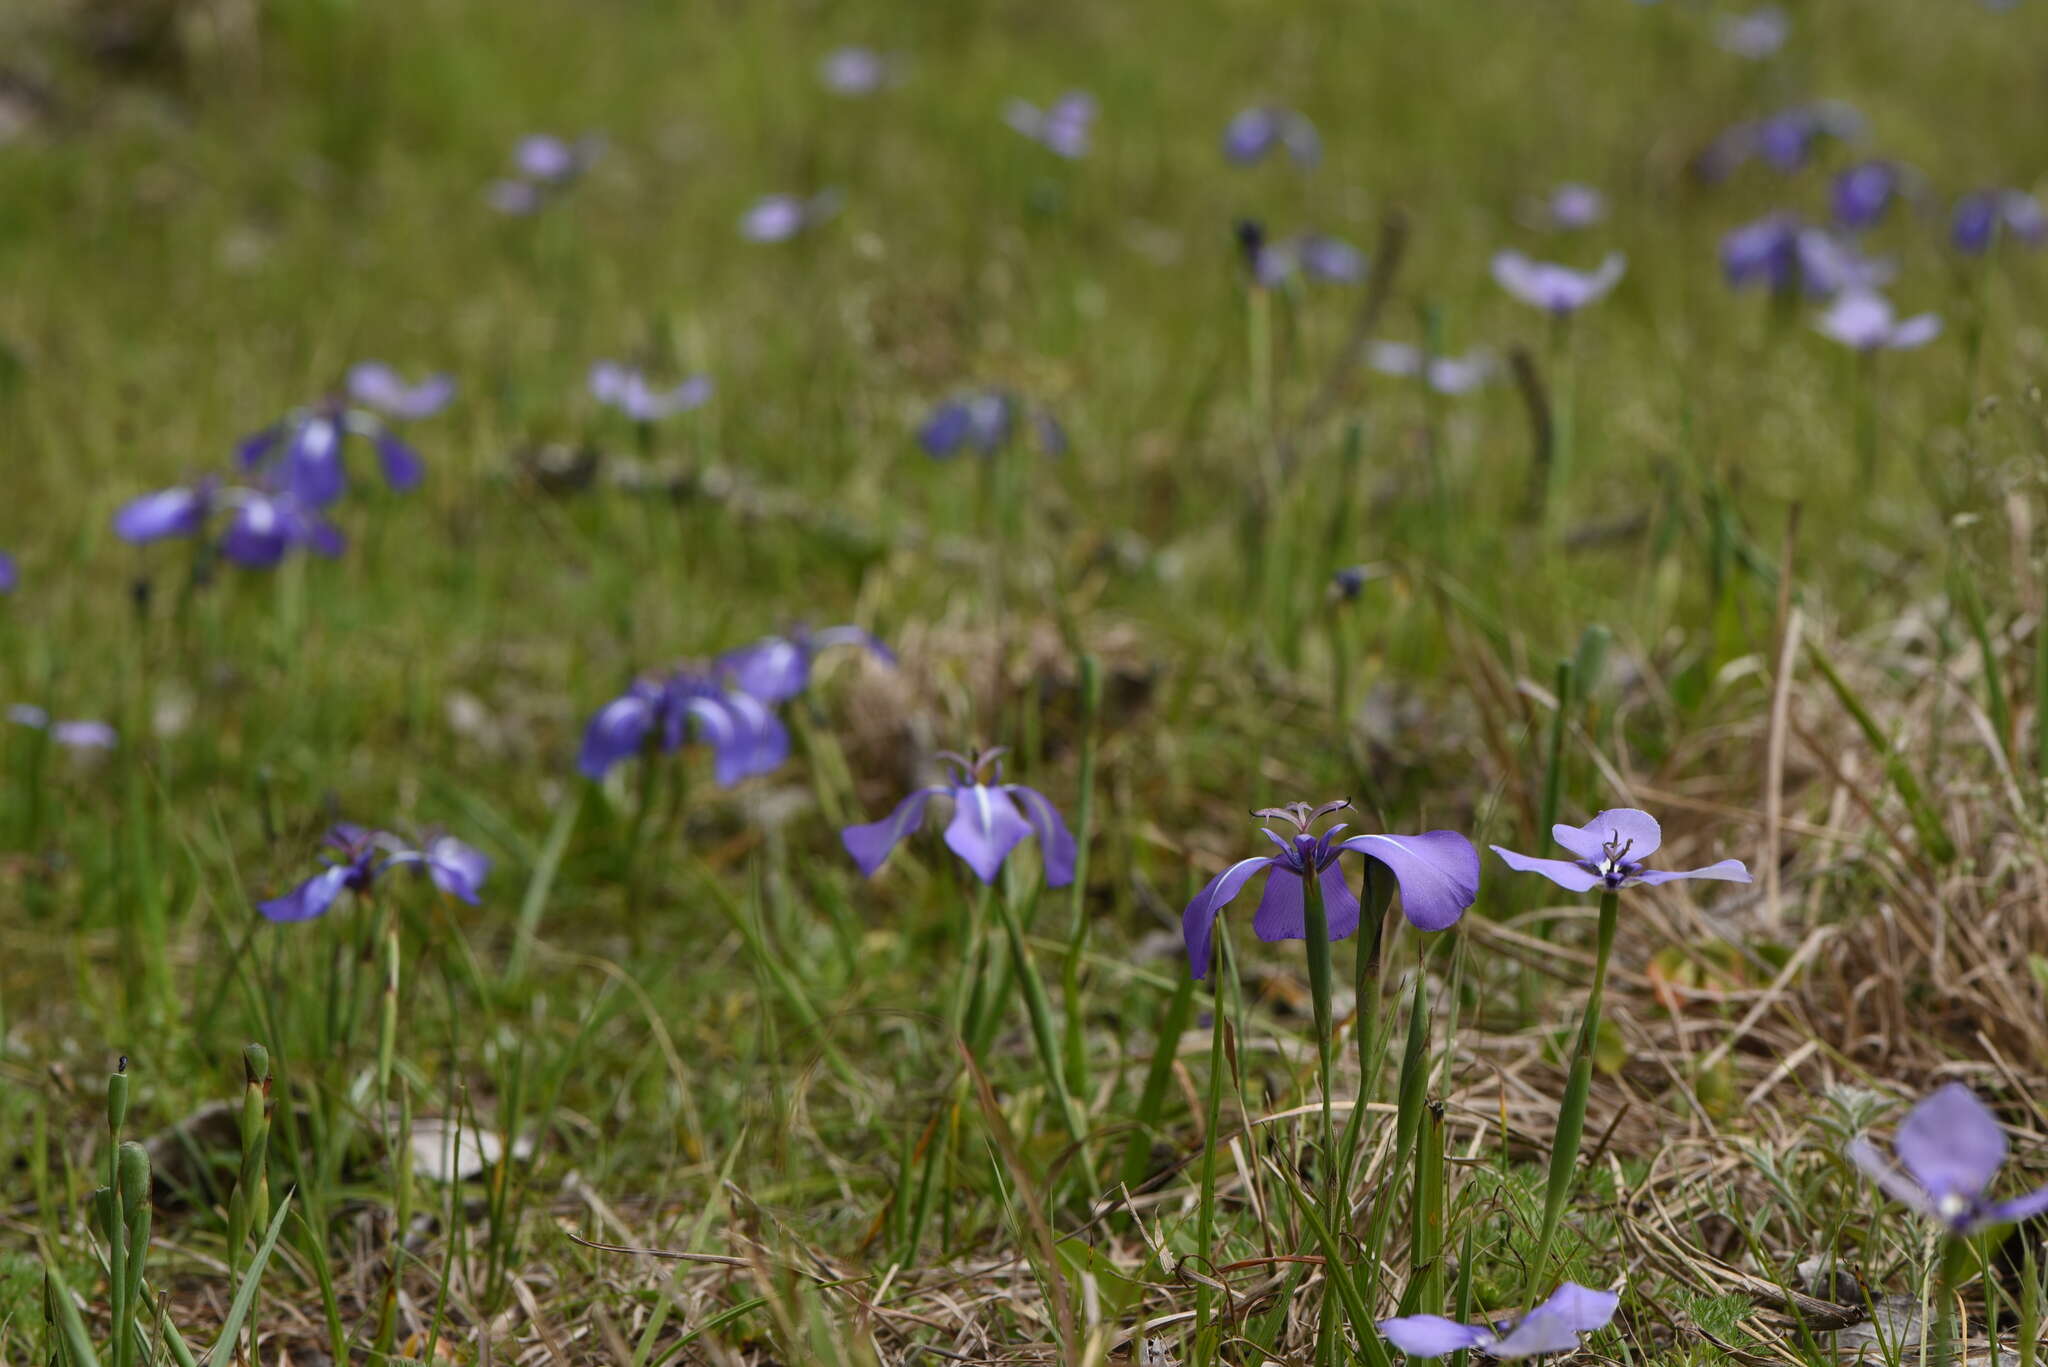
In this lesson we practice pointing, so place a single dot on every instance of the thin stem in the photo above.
(1205, 1210)
(1571, 1116)
(1316, 920)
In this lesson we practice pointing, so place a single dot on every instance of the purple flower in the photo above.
(1061, 127)
(377, 386)
(1949, 1149)
(514, 198)
(1756, 35)
(660, 713)
(1785, 139)
(547, 158)
(1783, 253)
(542, 163)
(1862, 193)
(990, 819)
(983, 421)
(1558, 290)
(778, 668)
(1552, 1327)
(1864, 319)
(1444, 374)
(1313, 256)
(626, 389)
(360, 856)
(778, 218)
(72, 735)
(1257, 131)
(1437, 873)
(167, 513)
(9, 576)
(1571, 206)
(1980, 215)
(854, 71)
(262, 527)
(1610, 851)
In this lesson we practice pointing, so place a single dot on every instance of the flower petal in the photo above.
(1282, 913)
(1618, 826)
(166, 513)
(1056, 842)
(1437, 873)
(774, 670)
(1581, 1307)
(1916, 331)
(1894, 1183)
(1340, 904)
(456, 868)
(985, 827)
(1951, 1143)
(1727, 871)
(400, 463)
(312, 462)
(1200, 917)
(309, 898)
(870, 844)
(1563, 872)
(617, 732)
(2020, 1207)
(1432, 1336)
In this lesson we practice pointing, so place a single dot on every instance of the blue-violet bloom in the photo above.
(982, 421)
(1255, 132)
(1756, 35)
(1444, 374)
(778, 668)
(361, 855)
(1864, 319)
(1610, 851)
(1979, 216)
(1558, 290)
(1861, 194)
(72, 735)
(1949, 1149)
(854, 71)
(1552, 1327)
(990, 819)
(1436, 872)
(1062, 127)
(659, 713)
(626, 389)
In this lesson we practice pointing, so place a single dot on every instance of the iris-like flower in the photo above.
(778, 668)
(1980, 215)
(543, 163)
(1861, 194)
(9, 576)
(1257, 131)
(1437, 873)
(1062, 127)
(360, 856)
(661, 713)
(1552, 1327)
(854, 71)
(990, 819)
(1785, 140)
(1864, 319)
(1444, 374)
(1949, 1149)
(626, 389)
(1570, 206)
(778, 218)
(72, 735)
(1610, 851)
(1312, 256)
(302, 454)
(1756, 35)
(983, 421)
(262, 527)
(1782, 252)
(1558, 290)
(378, 387)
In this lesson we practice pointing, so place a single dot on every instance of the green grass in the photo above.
(731, 1046)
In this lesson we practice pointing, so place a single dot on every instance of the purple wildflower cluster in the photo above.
(359, 856)
(294, 471)
(983, 421)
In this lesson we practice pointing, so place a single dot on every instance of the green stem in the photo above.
(1043, 1030)
(1205, 1210)
(1316, 921)
(1571, 1116)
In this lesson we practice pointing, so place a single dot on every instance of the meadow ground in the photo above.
(682, 1084)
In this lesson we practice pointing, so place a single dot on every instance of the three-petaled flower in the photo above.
(1552, 1327)
(1949, 1149)
(1865, 320)
(1437, 873)
(1557, 290)
(660, 713)
(264, 524)
(363, 855)
(1610, 851)
(301, 454)
(990, 819)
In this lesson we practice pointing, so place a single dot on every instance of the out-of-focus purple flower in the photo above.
(1557, 290)
(854, 71)
(1781, 252)
(1980, 215)
(377, 386)
(983, 421)
(1785, 140)
(1756, 35)
(542, 164)
(9, 576)
(1570, 206)
(660, 713)
(1610, 850)
(164, 514)
(1864, 319)
(360, 856)
(990, 819)
(1552, 1327)
(1863, 192)
(778, 668)
(262, 526)
(1436, 872)
(1949, 1149)
(1257, 131)
(778, 218)
(1313, 256)
(545, 157)
(72, 735)
(514, 198)
(1062, 127)
(626, 389)
(1444, 374)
